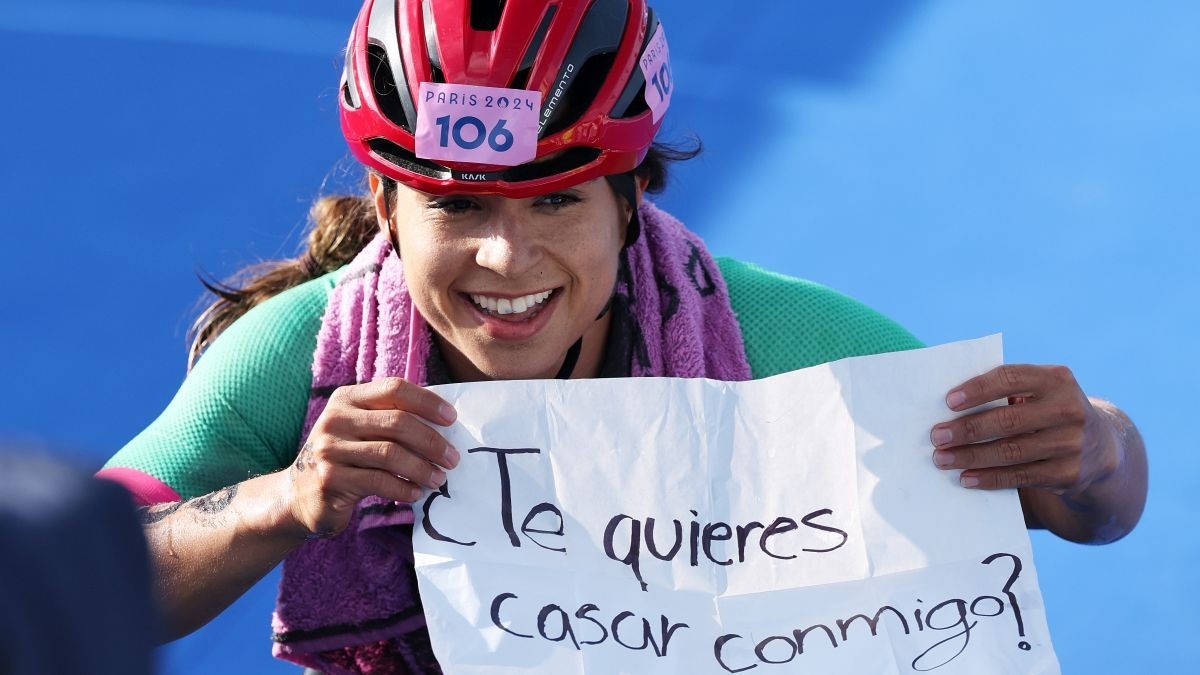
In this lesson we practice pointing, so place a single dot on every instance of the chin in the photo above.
(516, 368)
(510, 373)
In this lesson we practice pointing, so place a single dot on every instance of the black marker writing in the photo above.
(954, 614)
(624, 537)
(427, 522)
(544, 507)
(506, 486)
(1012, 598)
(626, 628)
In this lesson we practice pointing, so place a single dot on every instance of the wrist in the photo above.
(271, 515)
(1111, 455)
(1092, 501)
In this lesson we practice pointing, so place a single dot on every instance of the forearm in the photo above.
(208, 551)
(1110, 507)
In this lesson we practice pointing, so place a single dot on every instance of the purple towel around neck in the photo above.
(349, 603)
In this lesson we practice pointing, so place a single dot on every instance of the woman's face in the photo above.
(508, 285)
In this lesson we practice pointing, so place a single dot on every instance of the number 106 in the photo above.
(499, 139)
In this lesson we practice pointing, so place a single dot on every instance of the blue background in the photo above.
(966, 168)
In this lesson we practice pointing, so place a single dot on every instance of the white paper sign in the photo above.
(792, 524)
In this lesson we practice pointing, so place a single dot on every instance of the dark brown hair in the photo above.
(340, 226)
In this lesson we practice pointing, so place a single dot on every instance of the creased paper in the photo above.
(791, 524)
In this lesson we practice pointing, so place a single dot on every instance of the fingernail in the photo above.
(448, 413)
(943, 458)
(955, 399)
(438, 478)
(452, 456)
(941, 436)
(968, 481)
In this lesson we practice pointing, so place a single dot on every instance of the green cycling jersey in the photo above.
(240, 411)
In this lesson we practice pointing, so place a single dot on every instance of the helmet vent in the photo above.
(384, 85)
(633, 97)
(485, 14)
(635, 105)
(350, 83)
(521, 80)
(582, 92)
(568, 160)
(431, 42)
(405, 159)
(591, 55)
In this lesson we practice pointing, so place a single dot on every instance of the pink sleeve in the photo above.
(146, 489)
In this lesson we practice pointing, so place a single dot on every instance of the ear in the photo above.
(383, 210)
(640, 184)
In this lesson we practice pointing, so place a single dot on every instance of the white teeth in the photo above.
(513, 306)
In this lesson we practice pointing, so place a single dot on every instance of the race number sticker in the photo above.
(481, 125)
(656, 66)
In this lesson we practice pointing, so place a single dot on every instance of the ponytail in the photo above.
(341, 226)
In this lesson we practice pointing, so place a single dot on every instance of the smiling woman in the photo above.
(560, 250)
(503, 242)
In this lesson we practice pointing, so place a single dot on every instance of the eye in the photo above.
(556, 200)
(453, 204)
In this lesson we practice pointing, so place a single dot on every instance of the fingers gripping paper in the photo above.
(693, 526)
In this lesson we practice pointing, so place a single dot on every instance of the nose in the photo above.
(509, 248)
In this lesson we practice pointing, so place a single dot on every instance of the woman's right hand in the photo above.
(369, 440)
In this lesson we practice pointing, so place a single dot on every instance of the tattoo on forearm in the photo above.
(216, 502)
(205, 507)
(152, 514)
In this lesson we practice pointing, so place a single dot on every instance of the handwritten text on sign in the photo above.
(659, 525)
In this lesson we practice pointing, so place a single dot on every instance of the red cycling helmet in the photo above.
(581, 56)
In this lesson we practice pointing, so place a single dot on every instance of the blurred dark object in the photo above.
(74, 573)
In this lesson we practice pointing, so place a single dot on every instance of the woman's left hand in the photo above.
(1049, 436)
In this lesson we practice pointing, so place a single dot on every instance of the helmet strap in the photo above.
(391, 229)
(572, 357)
(395, 241)
(569, 362)
(622, 270)
(624, 184)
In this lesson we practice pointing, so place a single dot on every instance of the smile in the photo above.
(513, 308)
(512, 319)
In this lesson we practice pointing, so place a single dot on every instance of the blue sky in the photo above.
(966, 168)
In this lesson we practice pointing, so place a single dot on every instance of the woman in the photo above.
(505, 236)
